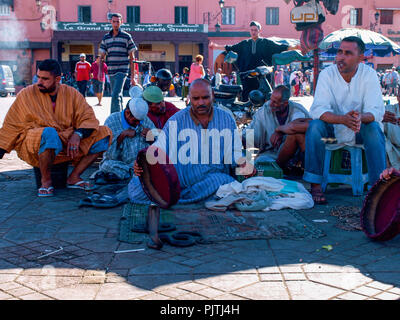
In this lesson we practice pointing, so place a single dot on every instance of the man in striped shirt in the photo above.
(119, 48)
(208, 165)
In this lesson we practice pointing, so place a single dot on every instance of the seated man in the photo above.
(279, 127)
(159, 110)
(391, 121)
(129, 129)
(51, 123)
(204, 170)
(348, 105)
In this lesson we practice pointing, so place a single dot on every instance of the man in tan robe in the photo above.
(51, 123)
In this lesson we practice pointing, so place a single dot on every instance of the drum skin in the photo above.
(380, 215)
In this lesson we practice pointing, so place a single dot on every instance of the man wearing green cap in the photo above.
(159, 110)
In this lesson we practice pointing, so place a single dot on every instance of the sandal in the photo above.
(45, 192)
(318, 196)
(84, 185)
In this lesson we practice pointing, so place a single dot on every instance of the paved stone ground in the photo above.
(87, 267)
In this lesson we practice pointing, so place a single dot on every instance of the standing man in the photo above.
(98, 74)
(393, 81)
(82, 74)
(218, 78)
(119, 48)
(348, 105)
(251, 54)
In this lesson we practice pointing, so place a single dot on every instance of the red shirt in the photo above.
(159, 120)
(95, 70)
(82, 70)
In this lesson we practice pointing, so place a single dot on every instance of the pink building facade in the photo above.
(168, 33)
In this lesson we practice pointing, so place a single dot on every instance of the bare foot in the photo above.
(153, 221)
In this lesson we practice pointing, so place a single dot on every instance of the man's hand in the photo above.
(390, 117)
(137, 169)
(128, 133)
(352, 120)
(387, 173)
(73, 146)
(276, 139)
(245, 168)
(145, 132)
(133, 82)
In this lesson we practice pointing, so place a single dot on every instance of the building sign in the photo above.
(143, 27)
(152, 55)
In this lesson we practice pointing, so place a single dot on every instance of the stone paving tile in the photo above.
(264, 291)
(379, 285)
(160, 267)
(352, 296)
(294, 277)
(306, 290)
(227, 282)
(75, 292)
(191, 296)
(158, 282)
(43, 283)
(209, 293)
(271, 277)
(387, 296)
(35, 296)
(191, 262)
(192, 286)
(223, 267)
(130, 260)
(4, 296)
(395, 291)
(228, 296)
(155, 296)
(7, 277)
(92, 261)
(9, 286)
(172, 292)
(102, 245)
(120, 291)
(21, 291)
(367, 291)
(345, 280)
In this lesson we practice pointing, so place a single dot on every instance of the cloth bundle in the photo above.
(261, 194)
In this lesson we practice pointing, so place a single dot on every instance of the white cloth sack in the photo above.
(283, 193)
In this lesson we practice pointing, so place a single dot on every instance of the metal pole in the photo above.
(316, 68)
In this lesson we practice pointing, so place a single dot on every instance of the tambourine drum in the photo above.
(380, 215)
(159, 181)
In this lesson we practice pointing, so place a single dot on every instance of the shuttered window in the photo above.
(133, 14)
(272, 16)
(181, 15)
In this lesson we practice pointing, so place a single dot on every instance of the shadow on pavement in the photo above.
(88, 268)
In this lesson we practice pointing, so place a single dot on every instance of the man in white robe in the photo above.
(348, 105)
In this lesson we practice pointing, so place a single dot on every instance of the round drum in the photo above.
(159, 181)
(380, 215)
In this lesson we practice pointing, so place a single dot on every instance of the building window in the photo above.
(181, 15)
(356, 17)
(5, 10)
(133, 14)
(228, 15)
(273, 16)
(84, 14)
(386, 16)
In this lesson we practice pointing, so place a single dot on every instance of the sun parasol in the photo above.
(375, 43)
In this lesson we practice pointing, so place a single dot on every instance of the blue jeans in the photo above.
(51, 140)
(370, 135)
(117, 85)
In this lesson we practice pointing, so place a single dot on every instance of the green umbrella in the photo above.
(287, 57)
(286, 41)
